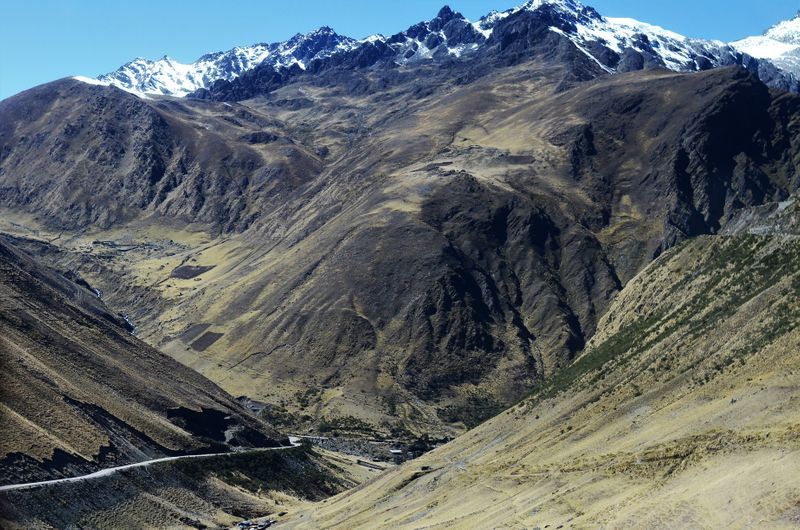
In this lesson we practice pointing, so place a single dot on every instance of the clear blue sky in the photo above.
(42, 40)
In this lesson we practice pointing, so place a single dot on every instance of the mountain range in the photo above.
(614, 44)
(567, 241)
(413, 247)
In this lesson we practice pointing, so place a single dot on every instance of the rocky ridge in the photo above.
(613, 44)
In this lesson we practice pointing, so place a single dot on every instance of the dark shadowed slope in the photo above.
(80, 393)
(681, 412)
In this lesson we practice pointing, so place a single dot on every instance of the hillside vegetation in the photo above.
(681, 412)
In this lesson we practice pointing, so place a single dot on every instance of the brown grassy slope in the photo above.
(472, 238)
(79, 392)
(682, 411)
(462, 236)
(214, 492)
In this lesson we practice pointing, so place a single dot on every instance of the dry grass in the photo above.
(665, 433)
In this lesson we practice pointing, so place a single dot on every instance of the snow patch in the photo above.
(101, 82)
(89, 80)
(764, 47)
(780, 45)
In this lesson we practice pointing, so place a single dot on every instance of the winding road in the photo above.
(111, 470)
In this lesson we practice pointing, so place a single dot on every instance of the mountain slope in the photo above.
(456, 243)
(80, 393)
(93, 155)
(612, 44)
(209, 492)
(681, 411)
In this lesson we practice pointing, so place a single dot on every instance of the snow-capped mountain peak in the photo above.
(168, 76)
(448, 34)
(780, 45)
(614, 44)
(487, 22)
(652, 45)
(787, 31)
(572, 6)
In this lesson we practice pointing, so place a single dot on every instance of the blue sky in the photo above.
(42, 40)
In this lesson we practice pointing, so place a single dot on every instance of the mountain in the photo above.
(681, 411)
(80, 393)
(169, 77)
(779, 44)
(620, 44)
(152, 157)
(539, 213)
(613, 44)
(415, 247)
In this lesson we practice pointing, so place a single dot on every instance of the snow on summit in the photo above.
(167, 76)
(618, 34)
(787, 31)
(780, 44)
(634, 45)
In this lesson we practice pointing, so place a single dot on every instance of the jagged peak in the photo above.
(569, 8)
(563, 5)
(446, 14)
(323, 30)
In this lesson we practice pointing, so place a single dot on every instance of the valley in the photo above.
(502, 238)
(106, 431)
(540, 270)
(681, 412)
